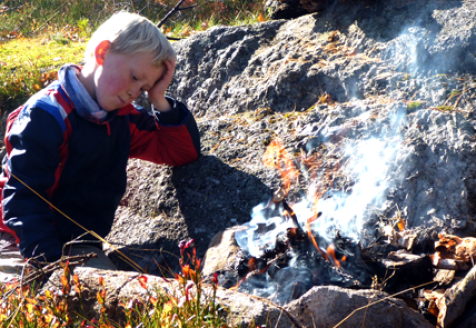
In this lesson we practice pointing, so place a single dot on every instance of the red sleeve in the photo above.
(155, 140)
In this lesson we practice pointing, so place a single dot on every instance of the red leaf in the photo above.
(143, 282)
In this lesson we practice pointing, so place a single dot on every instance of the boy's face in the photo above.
(120, 78)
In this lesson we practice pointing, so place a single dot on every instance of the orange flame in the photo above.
(331, 251)
(309, 233)
(276, 157)
(238, 284)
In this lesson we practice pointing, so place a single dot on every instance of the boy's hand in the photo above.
(157, 93)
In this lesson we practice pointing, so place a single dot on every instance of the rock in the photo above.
(288, 9)
(221, 252)
(164, 205)
(336, 83)
(245, 310)
(452, 304)
(329, 306)
(327, 82)
(242, 310)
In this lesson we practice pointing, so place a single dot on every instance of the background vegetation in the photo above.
(38, 37)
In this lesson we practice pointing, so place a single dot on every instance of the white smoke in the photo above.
(368, 162)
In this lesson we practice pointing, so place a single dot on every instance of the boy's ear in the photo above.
(101, 50)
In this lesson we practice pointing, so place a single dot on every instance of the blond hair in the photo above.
(130, 34)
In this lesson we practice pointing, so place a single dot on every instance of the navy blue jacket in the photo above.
(80, 166)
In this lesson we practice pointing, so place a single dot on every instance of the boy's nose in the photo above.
(134, 93)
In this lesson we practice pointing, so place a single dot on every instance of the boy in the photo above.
(71, 142)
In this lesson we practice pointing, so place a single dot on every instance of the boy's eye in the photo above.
(134, 77)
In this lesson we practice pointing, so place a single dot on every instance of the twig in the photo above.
(383, 299)
(6, 9)
(49, 268)
(187, 8)
(170, 14)
(51, 17)
(365, 314)
(459, 98)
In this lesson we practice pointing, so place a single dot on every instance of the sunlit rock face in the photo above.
(383, 93)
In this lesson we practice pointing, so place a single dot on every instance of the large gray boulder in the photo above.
(330, 82)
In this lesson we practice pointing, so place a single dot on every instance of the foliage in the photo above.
(414, 105)
(444, 108)
(194, 307)
(38, 37)
(33, 18)
(27, 66)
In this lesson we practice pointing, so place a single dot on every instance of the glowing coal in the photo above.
(288, 248)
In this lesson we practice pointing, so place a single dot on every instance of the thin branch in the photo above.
(6, 9)
(170, 14)
(47, 268)
(174, 39)
(187, 8)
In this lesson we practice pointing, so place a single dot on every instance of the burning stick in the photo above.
(311, 237)
(331, 251)
(279, 197)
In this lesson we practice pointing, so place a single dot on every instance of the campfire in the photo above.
(289, 247)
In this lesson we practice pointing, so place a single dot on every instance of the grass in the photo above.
(28, 65)
(414, 105)
(38, 37)
(28, 308)
(445, 108)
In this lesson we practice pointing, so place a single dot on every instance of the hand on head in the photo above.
(157, 93)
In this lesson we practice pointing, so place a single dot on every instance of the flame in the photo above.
(331, 251)
(238, 284)
(276, 157)
(311, 237)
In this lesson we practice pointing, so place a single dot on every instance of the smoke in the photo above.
(369, 160)
(369, 157)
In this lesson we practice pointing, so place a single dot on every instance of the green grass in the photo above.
(445, 108)
(414, 105)
(31, 18)
(28, 65)
(37, 37)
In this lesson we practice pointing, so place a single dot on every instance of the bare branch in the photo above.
(187, 8)
(174, 39)
(170, 14)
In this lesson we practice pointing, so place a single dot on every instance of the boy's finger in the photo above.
(170, 66)
(169, 69)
